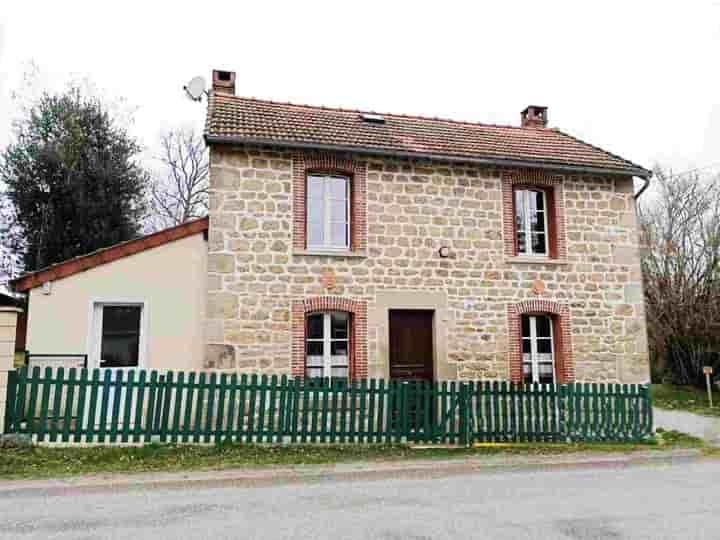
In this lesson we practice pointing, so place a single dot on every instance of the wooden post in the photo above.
(707, 370)
(8, 323)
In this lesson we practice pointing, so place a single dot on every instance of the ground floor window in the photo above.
(538, 349)
(327, 348)
(117, 338)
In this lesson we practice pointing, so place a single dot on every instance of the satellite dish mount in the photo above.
(195, 89)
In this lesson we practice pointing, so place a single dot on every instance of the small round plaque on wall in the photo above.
(538, 286)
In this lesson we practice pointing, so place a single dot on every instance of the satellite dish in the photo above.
(195, 88)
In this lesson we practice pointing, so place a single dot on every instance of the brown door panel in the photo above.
(411, 344)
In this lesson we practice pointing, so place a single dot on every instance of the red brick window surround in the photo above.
(560, 316)
(357, 309)
(552, 186)
(356, 171)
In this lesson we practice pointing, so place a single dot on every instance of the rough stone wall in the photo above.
(414, 208)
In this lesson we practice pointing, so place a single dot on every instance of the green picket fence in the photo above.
(80, 405)
(508, 412)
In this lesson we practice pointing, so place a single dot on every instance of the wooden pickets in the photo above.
(116, 406)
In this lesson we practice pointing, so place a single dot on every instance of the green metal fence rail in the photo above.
(94, 406)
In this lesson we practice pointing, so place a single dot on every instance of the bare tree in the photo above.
(681, 265)
(180, 191)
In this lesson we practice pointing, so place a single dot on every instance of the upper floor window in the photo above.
(538, 349)
(328, 211)
(327, 345)
(531, 222)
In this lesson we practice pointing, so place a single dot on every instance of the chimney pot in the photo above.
(534, 116)
(223, 82)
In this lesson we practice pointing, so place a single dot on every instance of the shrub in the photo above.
(686, 357)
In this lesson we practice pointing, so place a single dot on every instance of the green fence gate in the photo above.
(80, 405)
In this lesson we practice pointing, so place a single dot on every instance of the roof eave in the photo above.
(106, 255)
(507, 162)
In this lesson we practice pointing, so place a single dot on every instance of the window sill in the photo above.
(536, 260)
(329, 253)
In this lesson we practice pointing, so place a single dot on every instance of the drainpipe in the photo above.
(646, 179)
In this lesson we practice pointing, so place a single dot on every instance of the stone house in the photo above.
(346, 243)
(343, 243)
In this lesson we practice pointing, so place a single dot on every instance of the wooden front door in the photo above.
(411, 344)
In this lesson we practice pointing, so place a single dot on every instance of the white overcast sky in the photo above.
(639, 78)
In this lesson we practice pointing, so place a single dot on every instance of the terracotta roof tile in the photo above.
(239, 119)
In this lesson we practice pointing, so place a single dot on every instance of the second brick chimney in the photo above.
(534, 116)
(223, 82)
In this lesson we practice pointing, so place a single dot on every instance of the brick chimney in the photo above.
(223, 82)
(534, 116)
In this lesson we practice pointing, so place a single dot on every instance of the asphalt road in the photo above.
(661, 501)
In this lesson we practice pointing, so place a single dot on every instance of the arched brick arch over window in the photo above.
(560, 315)
(329, 163)
(358, 331)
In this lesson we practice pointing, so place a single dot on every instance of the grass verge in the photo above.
(685, 398)
(52, 462)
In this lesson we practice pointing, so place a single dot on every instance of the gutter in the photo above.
(226, 139)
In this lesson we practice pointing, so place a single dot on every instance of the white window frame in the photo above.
(327, 341)
(95, 325)
(527, 228)
(534, 362)
(326, 212)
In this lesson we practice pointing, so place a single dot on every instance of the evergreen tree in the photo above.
(71, 179)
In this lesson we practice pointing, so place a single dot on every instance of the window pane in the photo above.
(543, 327)
(545, 368)
(526, 346)
(338, 210)
(339, 348)
(537, 222)
(315, 211)
(338, 235)
(339, 325)
(525, 326)
(527, 373)
(544, 346)
(339, 372)
(520, 210)
(315, 234)
(314, 372)
(538, 243)
(314, 348)
(338, 188)
(315, 361)
(120, 344)
(546, 373)
(531, 202)
(545, 359)
(315, 187)
(315, 326)
(539, 200)
(522, 242)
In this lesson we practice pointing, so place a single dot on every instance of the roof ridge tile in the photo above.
(391, 114)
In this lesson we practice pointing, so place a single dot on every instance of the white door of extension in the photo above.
(118, 342)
